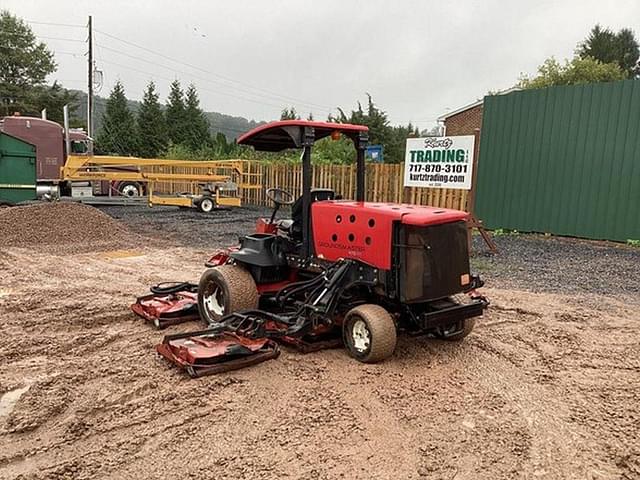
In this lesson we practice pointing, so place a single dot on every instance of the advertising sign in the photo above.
(439, 162)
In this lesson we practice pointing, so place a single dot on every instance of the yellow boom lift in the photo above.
(220, 181)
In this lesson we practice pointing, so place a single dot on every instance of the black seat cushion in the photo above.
(317, 194)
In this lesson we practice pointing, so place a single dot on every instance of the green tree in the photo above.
(151, 126)
(577, 71)
(24, 66)
(289, 114)
(607, 46)
(381, 132)
(374, 118)
(197, 126)
(175, 114)
(53, 98)
(118, 133)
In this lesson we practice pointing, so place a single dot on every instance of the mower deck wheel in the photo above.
(225, 289)
(467, 327)
(369, 333)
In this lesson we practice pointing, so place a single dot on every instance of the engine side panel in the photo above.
(352, 230)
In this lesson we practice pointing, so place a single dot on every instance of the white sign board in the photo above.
(439, 162)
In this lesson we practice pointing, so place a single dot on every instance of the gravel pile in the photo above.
(64, 226)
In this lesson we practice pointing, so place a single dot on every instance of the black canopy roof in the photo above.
(277, 136)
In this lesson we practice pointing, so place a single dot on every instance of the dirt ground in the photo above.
(546, 387)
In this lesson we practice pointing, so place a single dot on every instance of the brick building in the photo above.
(464, 120)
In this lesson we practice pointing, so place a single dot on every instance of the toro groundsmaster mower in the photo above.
(337, 272)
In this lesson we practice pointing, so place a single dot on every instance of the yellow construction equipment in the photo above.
(220, 181)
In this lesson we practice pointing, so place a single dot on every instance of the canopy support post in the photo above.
(308, 137)
(361, 142)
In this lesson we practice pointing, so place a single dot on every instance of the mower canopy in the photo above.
(278, 136)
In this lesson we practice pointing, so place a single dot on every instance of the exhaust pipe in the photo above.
(67, 141)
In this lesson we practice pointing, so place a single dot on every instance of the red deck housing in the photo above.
(363, 230)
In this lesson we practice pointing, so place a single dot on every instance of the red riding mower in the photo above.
(338, 271)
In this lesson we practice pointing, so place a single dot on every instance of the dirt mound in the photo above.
(65, 225)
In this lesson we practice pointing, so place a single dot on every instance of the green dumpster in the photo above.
(17, 170)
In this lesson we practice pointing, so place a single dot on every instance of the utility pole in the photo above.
(90, 81)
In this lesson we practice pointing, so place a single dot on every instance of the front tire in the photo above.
(369, 333)
(225, 289)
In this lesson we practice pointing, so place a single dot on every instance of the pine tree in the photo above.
(152, 128)
(118, 133)
(175, 114)
(607, 46)
(197, 125)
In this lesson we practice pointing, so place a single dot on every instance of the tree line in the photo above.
(154, 130)
(603, 56)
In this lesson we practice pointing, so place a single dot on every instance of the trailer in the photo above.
(220, 181)
(66, 167)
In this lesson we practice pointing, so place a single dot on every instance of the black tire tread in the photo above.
(467, 328)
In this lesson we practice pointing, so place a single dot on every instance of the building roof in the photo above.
(442, 118)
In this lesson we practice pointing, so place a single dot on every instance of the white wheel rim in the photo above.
(130, 191)
(206, 205)
(361, 336)
(214, 302)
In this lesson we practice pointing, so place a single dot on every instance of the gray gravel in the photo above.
(559, 265)
(189, 227)
(528, 262)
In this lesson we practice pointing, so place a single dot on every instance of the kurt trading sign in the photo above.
(439, 162)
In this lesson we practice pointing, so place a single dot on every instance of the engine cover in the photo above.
(364, 230)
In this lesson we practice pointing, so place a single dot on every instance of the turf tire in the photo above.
(381, 328)
(238, 289)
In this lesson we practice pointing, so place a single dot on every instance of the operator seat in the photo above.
(295, 226)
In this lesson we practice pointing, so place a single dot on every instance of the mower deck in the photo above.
(212, 351)
(168, 306)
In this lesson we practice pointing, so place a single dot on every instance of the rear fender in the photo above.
(221, 257)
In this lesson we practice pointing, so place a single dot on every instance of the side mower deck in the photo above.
(168, 304)
(211, 351)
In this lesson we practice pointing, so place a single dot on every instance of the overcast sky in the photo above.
(418, 59)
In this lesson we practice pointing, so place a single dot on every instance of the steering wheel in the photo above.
(279, 196)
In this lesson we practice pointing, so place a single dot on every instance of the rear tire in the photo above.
(130, 189)
(206, 204)
(225, 289)
(369, 333)
(467, 328)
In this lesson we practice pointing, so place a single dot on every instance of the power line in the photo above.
(62, 39)
(190, 74)
(57, 24)
(17, 35)
(228, 79)
(74, 54)
(270, 95)
(149, 50)
(153, 75)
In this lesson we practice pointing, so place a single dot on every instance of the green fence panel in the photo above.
(562, 160)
